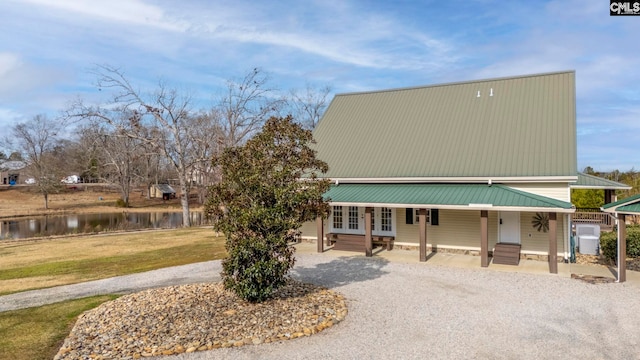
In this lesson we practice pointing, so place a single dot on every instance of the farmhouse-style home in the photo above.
(481, 167)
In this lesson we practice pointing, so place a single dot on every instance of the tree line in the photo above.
(594, 198)
(135, 139)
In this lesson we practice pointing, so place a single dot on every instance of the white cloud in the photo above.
(133, 12)
(8, 62)
(352, 45)
(19, 79)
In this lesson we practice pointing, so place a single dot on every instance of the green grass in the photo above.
(38, 333)
(127, 254)
(122, 264)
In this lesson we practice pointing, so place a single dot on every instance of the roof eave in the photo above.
(587, 187)
(458, 207)
(455, 179)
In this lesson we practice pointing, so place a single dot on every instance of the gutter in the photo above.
(457, 179)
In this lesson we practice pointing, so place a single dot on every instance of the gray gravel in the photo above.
(418, 311)
(411, 311)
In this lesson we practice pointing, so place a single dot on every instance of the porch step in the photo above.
(506, 253)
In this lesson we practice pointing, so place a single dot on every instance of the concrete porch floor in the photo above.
(470, 261)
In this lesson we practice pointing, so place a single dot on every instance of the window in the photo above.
(337, 217)
(432, 217)
(353, 218)
(417, 219)
(386, 221)
(373, 219)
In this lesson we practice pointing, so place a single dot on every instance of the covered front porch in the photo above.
(476, 216)
(461, 261)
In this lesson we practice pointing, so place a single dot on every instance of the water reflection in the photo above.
(90, 223)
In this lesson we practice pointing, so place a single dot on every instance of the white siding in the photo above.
(558, 191)
(308, 229)
(460, 229)
(537, 242)
(456, 229)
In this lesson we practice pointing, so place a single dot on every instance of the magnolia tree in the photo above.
(269, 188)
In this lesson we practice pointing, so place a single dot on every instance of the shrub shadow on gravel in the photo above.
(342, 271)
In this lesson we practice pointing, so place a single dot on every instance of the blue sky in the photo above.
(48, 47)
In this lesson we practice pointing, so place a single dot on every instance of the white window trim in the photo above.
(331, 218)
(377, 222)
(416, 220)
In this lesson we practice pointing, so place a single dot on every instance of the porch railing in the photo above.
(593, 216)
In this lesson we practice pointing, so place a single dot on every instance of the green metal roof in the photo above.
(586, 181)
(630, 209)
(506, 127)
(630, 205)
(454, 196)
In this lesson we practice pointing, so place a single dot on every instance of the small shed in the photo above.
(164, 191)
(10, 172)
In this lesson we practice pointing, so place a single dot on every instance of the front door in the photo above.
(509, 227)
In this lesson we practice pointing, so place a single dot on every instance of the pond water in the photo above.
(22, 228)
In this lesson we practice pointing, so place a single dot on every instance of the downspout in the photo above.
(615, 216)
(567, 248)
(618, 256)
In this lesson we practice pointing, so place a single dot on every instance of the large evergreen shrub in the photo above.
(269, 188)
(609, 246)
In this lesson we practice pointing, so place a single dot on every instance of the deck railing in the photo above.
(593, 216)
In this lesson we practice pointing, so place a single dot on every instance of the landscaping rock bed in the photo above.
(599, 260)
(198, 317)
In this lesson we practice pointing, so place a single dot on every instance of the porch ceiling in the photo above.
(444, 196)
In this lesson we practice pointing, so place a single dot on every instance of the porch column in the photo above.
(622, 248)
(553, 244)
(422, 222)
(320, 233)
(608, 196)
(368, 243)
(484, 238)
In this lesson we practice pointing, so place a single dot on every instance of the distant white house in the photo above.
(72, 179)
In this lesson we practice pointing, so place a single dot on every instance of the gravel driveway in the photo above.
(417, 311)
(423, 311)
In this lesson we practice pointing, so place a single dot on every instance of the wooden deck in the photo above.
(593, 216)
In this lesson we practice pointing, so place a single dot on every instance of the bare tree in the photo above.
(36, 140)
(121, 158)
(162, 121)
(246, 105)
(209, 140)
(309, 104)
